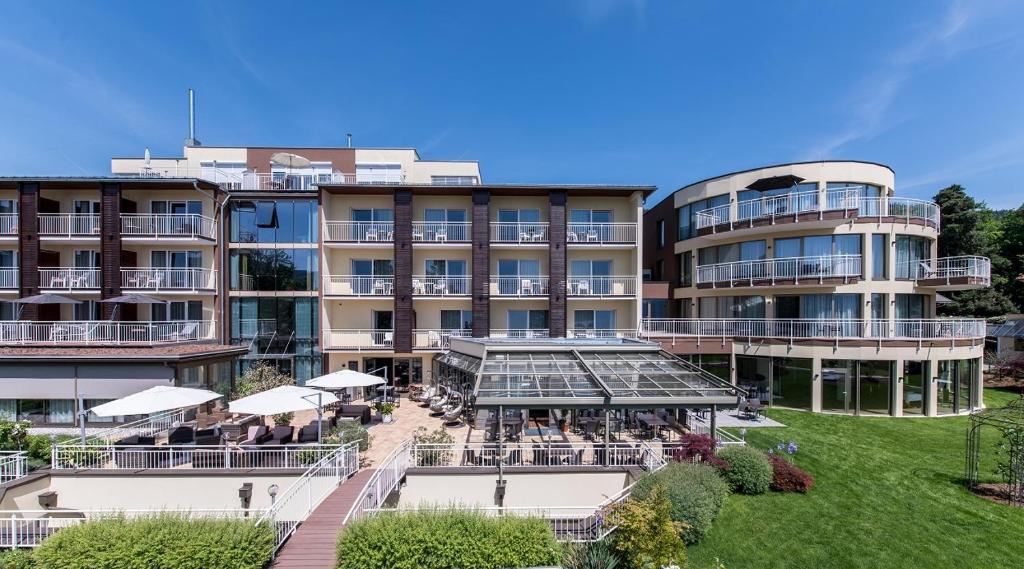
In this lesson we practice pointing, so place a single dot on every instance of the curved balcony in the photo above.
(154, 279)
(813, 329)
(948, 273)
(828, 269)
(835, 205)
(69, 279)
(105, 332)
(359, 285)
(440, 286)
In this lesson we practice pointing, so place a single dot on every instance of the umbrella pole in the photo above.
(319, 419)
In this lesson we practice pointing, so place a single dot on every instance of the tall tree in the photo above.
(966, 230)
(1011, 242)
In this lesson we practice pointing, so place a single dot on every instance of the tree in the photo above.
(1011, 243)
(259, 377)
(968, 228)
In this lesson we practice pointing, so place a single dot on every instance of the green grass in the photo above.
(887, 493)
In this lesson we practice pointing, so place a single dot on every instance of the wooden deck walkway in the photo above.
(312, 544)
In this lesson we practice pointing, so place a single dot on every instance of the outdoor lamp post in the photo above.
(272, 491)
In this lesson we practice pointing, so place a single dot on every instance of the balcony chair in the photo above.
(418, 287)
(525, 286)
(433, 339)
(582, 287)
(209, 437)
(389, 338)
(592, 236)
(417, 233)
(441, 234)
(371, 234)
(187, 332)
(440, 287)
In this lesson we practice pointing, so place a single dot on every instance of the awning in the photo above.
(775, 183)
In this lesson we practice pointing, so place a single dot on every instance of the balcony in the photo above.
(602, 333)
(69, 225)
(138, 226)
(813, 329)
(834, 269)
(601, 287)
(9, 278)
(250, 181)
(441, 232)
(69, 279)
(948, 273)
(520, 233)
(437, 339)
(359, 339)
(525, 333)
(359, 285)
(441, 286)
(104, 332)
(8, 224)
(601, 234)
(372, 232)
(168, 280)
(835, 204)
(519, 286)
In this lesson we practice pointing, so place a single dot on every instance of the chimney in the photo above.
(191, 140)
(349, 135)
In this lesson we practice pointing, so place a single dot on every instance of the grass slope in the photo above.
(887, 493)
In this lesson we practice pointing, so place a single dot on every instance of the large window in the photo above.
(818, 306)
(868, 195)
(440, 215)
(732, 252)
(838, 385)
(178, 310)
(792, 380)
(817, 246)
(594, 319)
(915, 377)
(911, 306)
(278, 221)
(686, 269)
(521, 322)
(592, 275)
(274, 269)
(688, 214)
(875, 393)
(282, 330)
(456, 319)
(911, 252)
(731, 307)
(955, 388)
(879, 256)
(530, 215)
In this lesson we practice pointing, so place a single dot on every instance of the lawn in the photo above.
(887, 494)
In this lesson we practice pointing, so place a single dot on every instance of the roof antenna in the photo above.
(191, 140)
(349, 135)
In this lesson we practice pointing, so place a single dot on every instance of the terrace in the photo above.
(104, 332)
(948, 273)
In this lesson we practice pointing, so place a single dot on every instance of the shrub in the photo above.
(13, 434)
(167, 541)
(695, 491)
(591, 555)
(749, 470)
(645, 533)
(787, 477)
(17, 559)
(348, 431)
(449, 539)
(700, 448)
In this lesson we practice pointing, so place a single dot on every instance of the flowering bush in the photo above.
(787, 477)
(699, 448)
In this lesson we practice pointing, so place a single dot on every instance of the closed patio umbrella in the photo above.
(285, 399)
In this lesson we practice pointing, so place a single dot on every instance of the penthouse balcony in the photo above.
(185, 226)
(69, 279)
(359, 232)
(833, 206)
(358, 340)
(602, 286)
(519, 286)
(359, 285)
(437, 339)
(104, 332)
(828, 269)
(187, 280)
(948, 273)
(727, 329)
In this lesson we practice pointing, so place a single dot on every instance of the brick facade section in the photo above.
(557, 265)
(481, 275)
(403, 316)
(110, 246)
(663, 211)
(28, 244)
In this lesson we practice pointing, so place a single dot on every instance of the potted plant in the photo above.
(385, 409)
(563, 423)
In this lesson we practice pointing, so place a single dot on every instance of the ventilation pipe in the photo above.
(191, 140)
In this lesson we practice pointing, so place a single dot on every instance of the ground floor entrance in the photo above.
(400, 372)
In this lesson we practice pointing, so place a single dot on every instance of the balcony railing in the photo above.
(69, 225)
(104, 332)
(836, 199)
(441, 232)
(602, 333)
(813, 329)
(360, 231)
(521, 285)
(68, 278)
(441, 286)
(13, 465)
(157, 279)
(9, 278)
(8, 224)
(602, 286)
(167, 225)
(972, 268)
(437, 339)
(601, 233)
(766, 272)
(250, 181)
(359, 339)
(187, 457)
(519, 333)
(504, 232)
(359, 285)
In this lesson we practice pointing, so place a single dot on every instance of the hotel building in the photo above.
(813, 286)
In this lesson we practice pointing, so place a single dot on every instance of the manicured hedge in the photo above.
(787, 477)
(749, 471)
(446, 539)
(696, 492)
(167, 541)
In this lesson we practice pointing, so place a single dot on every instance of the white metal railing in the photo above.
(13, 465)
(906, 209)
(519, 285)
(298, 501)
(809, 328)
(9, 277)
(157, 279)
(68, 278)
(104, 332)
(28, 528)
(767, 271)
(167, 225)
(519, 333)
(151, 426)
(69, 224)
(248, 180)
(385, 480)
(602, 286)
(449, 285)
(437, 339)
(601, 233)
(359, 285)
(114, 456)
(507, 232)
(359, 231)
(8, 224)
(359, 339)
(532, 454)
(602, 333)
(700, 426)
(947, 268)
(441, 231)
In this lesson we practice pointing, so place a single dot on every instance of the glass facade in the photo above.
(915, 377)
(792, 381)
(274, 269)
(279, 221)
(955, 387)
(838, 384)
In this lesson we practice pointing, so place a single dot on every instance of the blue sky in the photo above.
(662, 93)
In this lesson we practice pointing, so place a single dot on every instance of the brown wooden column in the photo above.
(556, 265)
(403, 317)
(110, 246)
(28, 245)
(481, 271)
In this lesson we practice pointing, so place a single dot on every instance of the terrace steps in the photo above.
(313, 543)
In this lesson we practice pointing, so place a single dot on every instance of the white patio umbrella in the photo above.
(153, 400)
(289, 160)
(344, 379)
(286, 399)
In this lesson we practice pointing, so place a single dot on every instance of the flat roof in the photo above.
(123, 354)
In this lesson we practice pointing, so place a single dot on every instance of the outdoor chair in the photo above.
(514, 458)
(590, 430)
(437, 404)
(281, 435)
(453, 415)
(427, 394)
(187, 332)
(441, 234)
(208, 437)
(417, 233)
(181, 436)
(256, 436)
(418, 287)
(307, 434)
(525, 286)
(360, 412)
(582, 287)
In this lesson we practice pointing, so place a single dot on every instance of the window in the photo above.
(732, 252)
(683, 217)
(8, 206)
(519, 215)
(913, 254)
(655, 308)
(454, 180)
(879, 256)
(817, 246)
(281, 221)
(282, 330)
(731, 307)
(590, 216)
(838, 192)
(85, 207)
(178, 310)
(274, 269)
(378, 173)
(594, 319)
(175, 207)
(686, 269)
(87, 310)
(511, 272)
(661, 233)
(266, 214)
(911, 306)
(879, 307)
(792, 382)
(658, 272)
(456, 319)
(439, 215)
(595, 273)
(87, 259)
(524, 320)
(445, 268)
